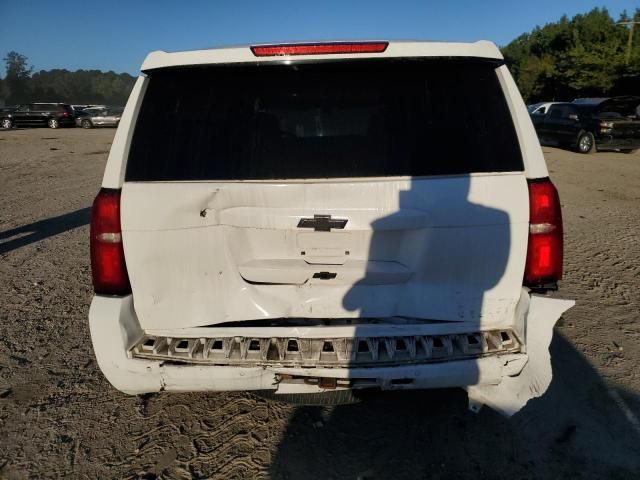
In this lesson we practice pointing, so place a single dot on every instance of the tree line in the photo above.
(22, 85)
(585, 56)
(588, 55)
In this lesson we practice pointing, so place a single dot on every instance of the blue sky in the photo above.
(117, 34)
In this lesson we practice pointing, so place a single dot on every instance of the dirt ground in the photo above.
(60, 418)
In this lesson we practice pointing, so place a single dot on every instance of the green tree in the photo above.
(4, 92)
(17, 78)
(581, 56)
(61, 85)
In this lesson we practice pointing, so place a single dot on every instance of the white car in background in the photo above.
(315, 219)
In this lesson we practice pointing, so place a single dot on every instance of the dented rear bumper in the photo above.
(504, 375)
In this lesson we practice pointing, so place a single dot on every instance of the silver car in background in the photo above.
(108, 117)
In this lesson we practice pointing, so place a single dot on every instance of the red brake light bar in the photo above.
(318, 49)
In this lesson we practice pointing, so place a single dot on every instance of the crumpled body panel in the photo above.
(441, 248)
(503, 381)
(513, 392)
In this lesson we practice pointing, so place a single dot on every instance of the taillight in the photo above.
(319, 48)
(65, 114)
(544, 252)
(108, 267)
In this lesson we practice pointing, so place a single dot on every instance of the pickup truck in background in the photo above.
(315, 220)
(591, 124)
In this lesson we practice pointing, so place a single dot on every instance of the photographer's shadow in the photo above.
(431, 433)
(455, 251)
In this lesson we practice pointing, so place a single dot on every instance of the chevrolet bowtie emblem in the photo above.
(322, 223)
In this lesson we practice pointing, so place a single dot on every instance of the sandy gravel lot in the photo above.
(60, 418)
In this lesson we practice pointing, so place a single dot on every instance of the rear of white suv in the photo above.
(315, 217)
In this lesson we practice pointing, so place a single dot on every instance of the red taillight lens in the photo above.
(108, 267)
(65, 114)
(318, 49)
(544, 252)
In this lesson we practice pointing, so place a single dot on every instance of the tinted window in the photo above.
(621, 106)
(46, 107)
(336, 119)
(569, 111)
(556, 111)
(562, 111)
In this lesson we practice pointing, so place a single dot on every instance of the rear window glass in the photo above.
(321, 120)
(620, 109)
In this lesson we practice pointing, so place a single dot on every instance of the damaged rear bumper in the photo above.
(502, 376)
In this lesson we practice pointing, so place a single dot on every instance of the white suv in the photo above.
(312, 218)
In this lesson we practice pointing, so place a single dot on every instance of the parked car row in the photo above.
(589, 124)
(56, 115)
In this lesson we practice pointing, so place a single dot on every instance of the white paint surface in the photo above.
(117, 161)
(440, 248)
(534, 163)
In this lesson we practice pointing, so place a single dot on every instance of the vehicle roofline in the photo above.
(396, 49)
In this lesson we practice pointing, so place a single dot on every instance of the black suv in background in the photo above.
(588, 124)
(52, 115)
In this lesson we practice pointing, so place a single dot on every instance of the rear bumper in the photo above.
(115, 330)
